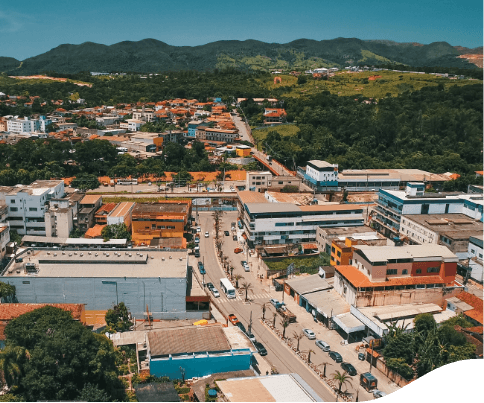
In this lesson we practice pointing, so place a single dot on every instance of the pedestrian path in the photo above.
(223, 299)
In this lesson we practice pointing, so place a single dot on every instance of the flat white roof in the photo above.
(384, 253)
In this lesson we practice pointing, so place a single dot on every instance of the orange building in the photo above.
(165, 219)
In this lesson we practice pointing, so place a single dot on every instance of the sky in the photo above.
(31, 27)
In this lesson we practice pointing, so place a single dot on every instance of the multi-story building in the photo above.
(274, 115)
(475, 261)
(165, 219)
(321, 174)
(27, 205)
(149, 139)
(392, 204)
(145, 115)
(389, 275)
(121, 214)
(325, 236)
(101, 215)
(342, 250)
(451, 230)
(25, 125)
(59, 218)
(267, 223)
(4, 238)
(132, 125)
(262, 181)
(88, 207)
(209, 133)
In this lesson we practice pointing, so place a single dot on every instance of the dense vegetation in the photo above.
(431, 129)
(150, 55)
(428, 347)
(49, 356)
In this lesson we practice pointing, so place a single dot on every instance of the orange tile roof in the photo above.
(473, 301)
(309, 246)
(106, 208)
(475, 329)
(94, 232)
(358, 279)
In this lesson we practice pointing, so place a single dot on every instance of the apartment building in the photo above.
(325, 236)
(388, 275)
(267, 223)
(145, 115)
(23, 125)
(165, 219)
(27, 205)
(59, 218)
(4, 238)
(261, 181)
(88, 207)
(208, 133)
(392, 204)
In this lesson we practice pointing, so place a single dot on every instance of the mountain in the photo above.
(8, 63)
(151, 55)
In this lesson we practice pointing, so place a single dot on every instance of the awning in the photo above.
(348, 323)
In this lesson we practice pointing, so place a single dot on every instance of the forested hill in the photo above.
(150, 55)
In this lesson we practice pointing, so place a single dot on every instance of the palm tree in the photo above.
(297, 336)
(246, 287)
(284, 323)
(274, 322)
(232, 273)
(237, 277)
(264, 306)
(309, 354)
(324, 368)
(10, 363)
(341, 378)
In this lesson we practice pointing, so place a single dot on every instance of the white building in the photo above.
(59, 219)
(475, 253)
(27, 205)
(256, 181)
(25, 125)
(4, 238)
(134, 124)
(321, 174)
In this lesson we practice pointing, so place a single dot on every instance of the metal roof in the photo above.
(308, 284)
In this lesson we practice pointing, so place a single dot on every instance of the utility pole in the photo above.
(283, 288)
(250, 323)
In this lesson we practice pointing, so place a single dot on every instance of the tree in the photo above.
(274, 314)
(342, 379)
(399, 365)
(424, 323)
(246, 287)
(290, 189)
(63, 357)
(297, 336)
(264, 306)
(237, 277)
(284, 323)
(11, 359)
(325, 363)
(115, 231)
(85, 182)
(117, 319)
(92, 393)
(7, 292)
(15, 237)
(302, 79)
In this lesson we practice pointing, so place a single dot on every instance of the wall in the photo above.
(399, 297)
(201, 365)
(166, 297)
(395, 377)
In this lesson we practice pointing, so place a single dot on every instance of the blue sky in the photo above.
(29, 28)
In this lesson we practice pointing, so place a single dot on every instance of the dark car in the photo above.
(201, 269)
(349, 368)
(226, 233)
(260, 348)
(336, 356)
(234, 237)
(209, 286)
(361, 356)
(241, 327)
(197, 253)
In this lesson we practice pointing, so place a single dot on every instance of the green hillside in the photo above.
(150, 55)
(8, 63)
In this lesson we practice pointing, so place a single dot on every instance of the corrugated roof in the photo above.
(473, 301)
(194, 339)
(308, 284)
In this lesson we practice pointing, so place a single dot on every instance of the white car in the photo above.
(309, 334)
(378, 393)
(199, 229)
(215, 292)
(207, 234)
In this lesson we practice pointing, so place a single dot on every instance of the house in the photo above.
(325, 236)
(274, 115)
(133, 125)
(342, 249)
(257, 181)
(469, 305)
(89, 205)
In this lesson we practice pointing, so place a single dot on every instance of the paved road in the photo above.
(241, 126)
(278, 355)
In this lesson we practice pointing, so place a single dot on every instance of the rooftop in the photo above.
(308, 284)
(98, 263)
(327, 302)
(403, 175)
(475, 303)
(247, 196)
(454, 225)
(194, 339)
(91, 199)
(161, 207)
(321, 164)
(387, 252)
(121, 209)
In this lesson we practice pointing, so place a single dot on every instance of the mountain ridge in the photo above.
(151, 55)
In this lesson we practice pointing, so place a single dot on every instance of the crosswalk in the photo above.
(223, 299)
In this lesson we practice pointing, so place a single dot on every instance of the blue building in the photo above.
(192, 127)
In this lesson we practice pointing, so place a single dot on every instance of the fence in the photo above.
(392, 375)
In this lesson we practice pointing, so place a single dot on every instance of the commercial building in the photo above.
(165, 219)
(389, 275)
(269, 388)
(121, 214)
(266, 223)
(199, 350)
(321, 174)
(392, 204)
(262, 181)
(27, 205)
(208, 133)
(342, 250)
(100, 279)
(88, 207)
(451, 230)
(325, 236)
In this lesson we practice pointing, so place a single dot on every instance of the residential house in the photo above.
(89, 205)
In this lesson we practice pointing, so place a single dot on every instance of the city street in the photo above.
(279, 355)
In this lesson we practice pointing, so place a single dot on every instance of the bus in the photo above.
(133, 181)
(227, 287)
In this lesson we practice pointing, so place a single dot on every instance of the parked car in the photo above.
(336, 356)
(361, 356)
(251, 337)
(234, 237)
(233, 319)
(197, 253)
(274, 302)
(238, 250)
(201, 268)
(197, 240)
(260, 348)
(241, 327)
(309, 334)
(323, 345)
(209, 286)
(215, 292)
(199, 229)
(207, 234)
(226, 233)
(349, 368)
(378, 393)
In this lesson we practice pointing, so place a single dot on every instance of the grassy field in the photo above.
(7, 80)
(283, 130)
(312, 263)
(349, 84)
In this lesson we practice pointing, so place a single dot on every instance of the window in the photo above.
(433, 269)
(32, 208)
(332, 249)
(473, 251)
(447, 208)
(404, 271)
(424, 209)
(12, 201)
(339, 254)
(418, 271)
(391, 271)
(13, 209)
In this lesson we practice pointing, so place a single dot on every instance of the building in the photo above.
(389, 275)
(321, 174)
(266, 223)
(101, 215)
(209, 133)
(133, 125)
(121, 214)
(4, 239)
(59, 218)
(155, 140)
(199, 350)
(144, 115)
(475, 257)
(451, 230)
(392, 204)
(166, 219)
(468, 305)
(141, 278)
(25, 125)
(261, 181)
(243, 151)
(268, 388)
(342, 250)
(325, 236)
(89, 205)
(27, 205)
(274, 116)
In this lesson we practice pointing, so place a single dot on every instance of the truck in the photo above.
(285, 313)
